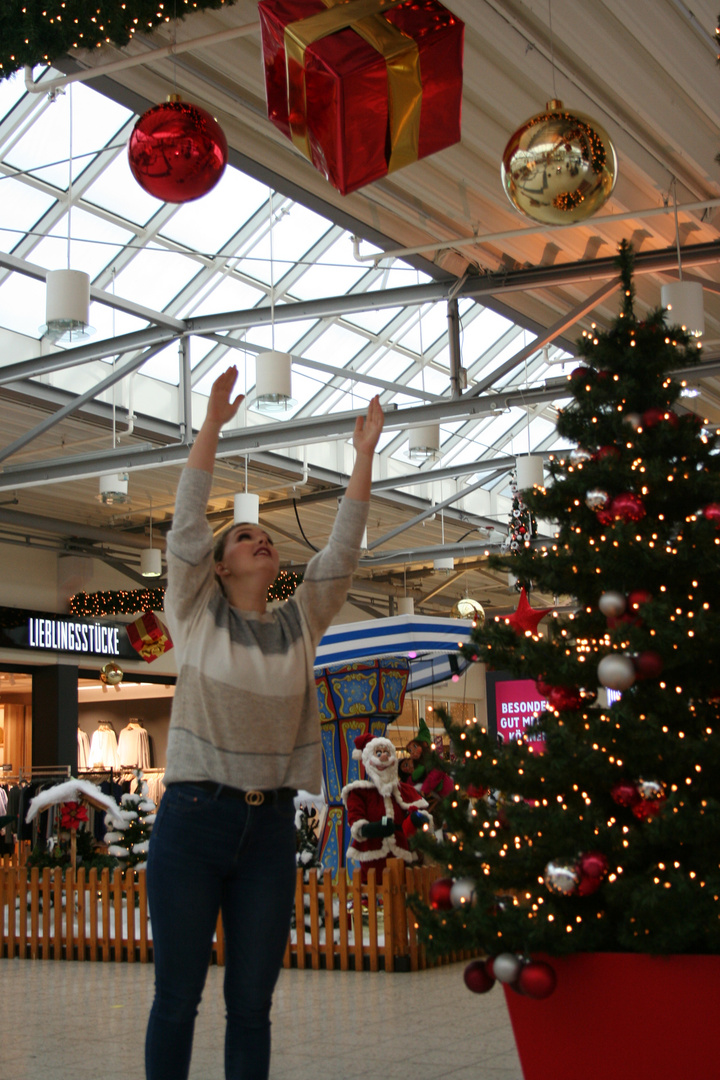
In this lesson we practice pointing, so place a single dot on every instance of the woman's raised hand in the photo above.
(368, 428)
(220, 407)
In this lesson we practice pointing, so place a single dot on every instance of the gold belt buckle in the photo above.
(254, 798)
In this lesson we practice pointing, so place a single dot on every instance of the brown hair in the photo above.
(219, 545)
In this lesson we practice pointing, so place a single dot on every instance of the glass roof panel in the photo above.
(477, 335)
(22, 304)
(109, 322)
(95, 243)
(331, 274)
(221, 293)
(20, 207)
(44, 148)
(336, 346)
(234, 200)
(11, 91)
(428, 323)
(154, 276)
(295, 229)
(117, 190)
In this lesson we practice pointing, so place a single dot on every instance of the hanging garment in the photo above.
(83, 749)
(134, 746)
(103, 748)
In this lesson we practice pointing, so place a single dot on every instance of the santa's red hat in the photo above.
(360, 743)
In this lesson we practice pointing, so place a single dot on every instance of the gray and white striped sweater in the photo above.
(245, 708)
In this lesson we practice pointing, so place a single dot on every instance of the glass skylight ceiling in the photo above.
(239, 247)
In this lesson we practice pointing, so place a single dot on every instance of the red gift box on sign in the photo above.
(149, 636)
(363, 87)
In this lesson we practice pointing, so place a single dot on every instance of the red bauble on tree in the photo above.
(537, 979)
(606, 452)
(627, 507)
(564, 697)
(637, 598)
(712, 513)
(439, 894)
(177, 151)
(625, 793)
(592, 868)
(477, 977)
(648, 665)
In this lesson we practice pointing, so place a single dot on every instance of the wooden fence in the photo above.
(90, 916)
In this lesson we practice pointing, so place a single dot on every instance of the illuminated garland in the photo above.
(40, 31)
(132, 601)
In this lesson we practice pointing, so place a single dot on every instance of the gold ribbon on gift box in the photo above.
(153, 648)
(401, 56)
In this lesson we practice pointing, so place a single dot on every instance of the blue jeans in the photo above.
(210, 854)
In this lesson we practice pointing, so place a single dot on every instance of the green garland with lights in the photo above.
(40, 31)
(131, 601)
(608, 840)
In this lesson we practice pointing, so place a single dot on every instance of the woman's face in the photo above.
(249, 551)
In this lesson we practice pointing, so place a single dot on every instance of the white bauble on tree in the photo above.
(612, 604)
(462, 893)
(617, 672)
(506, 967)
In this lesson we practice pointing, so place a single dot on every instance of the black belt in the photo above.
(252, 798)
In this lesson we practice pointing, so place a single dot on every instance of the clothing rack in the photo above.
(37, 772)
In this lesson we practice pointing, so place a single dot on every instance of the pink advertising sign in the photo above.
(517, 706)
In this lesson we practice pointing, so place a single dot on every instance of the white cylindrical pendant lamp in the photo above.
(684, 301)
(529, 470)
(273, 382)
(114, 489)
(67, 304)
(445, 564)
(151, 562)
(405, 605)
(424, 442)
(246, 508)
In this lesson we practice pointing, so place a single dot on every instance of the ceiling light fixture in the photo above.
(151, 558)
(67, 292)
(114, 489)
(683, 299)
(424, 443)
(273, 369)
(246, 505)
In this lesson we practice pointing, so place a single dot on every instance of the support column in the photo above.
(55, 715)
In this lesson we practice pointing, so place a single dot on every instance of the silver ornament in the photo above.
(596, 499)
(562, 876)
(616, 672)
(506, 967)
(650, 789)
(612, 604)
(633, 419)
(579, 454)
(462, 893)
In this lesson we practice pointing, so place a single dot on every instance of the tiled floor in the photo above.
(71, 1021)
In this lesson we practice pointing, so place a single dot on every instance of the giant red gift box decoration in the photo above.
(149, 636)
(363, 87)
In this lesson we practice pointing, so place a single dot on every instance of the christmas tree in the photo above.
(128, 835)
(605, 838)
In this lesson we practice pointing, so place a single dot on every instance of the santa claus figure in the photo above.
(382, 812)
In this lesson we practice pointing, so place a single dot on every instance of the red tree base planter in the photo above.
(622, 1015)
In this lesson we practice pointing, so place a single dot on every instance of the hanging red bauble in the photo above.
(648, 664)
(651, 798)
(564, 697)
(439, 894)
(637, 598)
(537, 979)
(592, 867)
(712, 513)
(627, 507)
(625, 793)
(477, 978)
(606, 452)
(651, 417)
(177, 151)
(475, 791)
(579, 374)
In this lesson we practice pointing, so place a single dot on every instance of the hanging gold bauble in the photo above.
(111, 674)
(559, 167)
